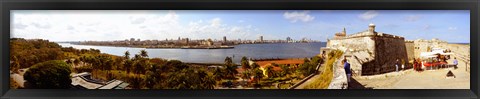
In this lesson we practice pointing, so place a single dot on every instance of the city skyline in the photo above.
(100, 25)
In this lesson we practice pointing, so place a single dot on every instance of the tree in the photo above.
(178, 65)
(231, 71)
(246, 75)
(143, 53)
(128, 65)
(15, 65)
(255, 65)
(228, 61)
(53, 74)
(152, 76)
(218, 74)
(257, 74)
(127, 55)
(269, 71)
(285, 70)
(230, 68)
(245, 64)
(137, 57)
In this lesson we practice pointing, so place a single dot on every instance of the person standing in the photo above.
(455, 62)
(347, 69)
(396, 65)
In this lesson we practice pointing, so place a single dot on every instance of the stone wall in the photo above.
(372, 54)
(339, 80)
(353, 43)
(387, 51)
(410, 46)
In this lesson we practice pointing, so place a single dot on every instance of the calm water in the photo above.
(280, 50)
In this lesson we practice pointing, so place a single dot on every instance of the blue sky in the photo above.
(80, 25)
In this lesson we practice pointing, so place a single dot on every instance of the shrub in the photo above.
(53, 74)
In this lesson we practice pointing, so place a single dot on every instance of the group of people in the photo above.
(417, 64)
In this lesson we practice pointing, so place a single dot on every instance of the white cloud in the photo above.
(413, 18)
(107, 25)
(368, 15)
(216, 22)
(70, 28)
(20, 26)
(298, 16)
(41, 25)
(426, 27)
(240, 21)
(452, 28)
(138, 21)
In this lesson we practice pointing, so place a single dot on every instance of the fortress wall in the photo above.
(410, 46)
(360, 48)
(387, 50)
(352, 43)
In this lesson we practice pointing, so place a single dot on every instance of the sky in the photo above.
(103, 25)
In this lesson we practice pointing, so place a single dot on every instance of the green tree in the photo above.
(152, 76)
(15, 65)
(246, 75)
(143, 53)
(218, 74)
(127, 55)
(255, 65)
(231, 71)
(245, 64)
(269, 71)
(128, 65)
(228, 61)
(258, 74)
(53, 74)
(285, 70)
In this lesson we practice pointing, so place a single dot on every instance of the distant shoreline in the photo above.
(181, 47)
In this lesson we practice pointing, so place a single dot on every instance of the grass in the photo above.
(326, 76)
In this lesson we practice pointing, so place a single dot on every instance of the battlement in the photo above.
(409, 41)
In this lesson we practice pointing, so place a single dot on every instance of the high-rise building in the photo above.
(132, 39)
(224, 38)
(261, 39)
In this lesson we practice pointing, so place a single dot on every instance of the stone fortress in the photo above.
(371, 52)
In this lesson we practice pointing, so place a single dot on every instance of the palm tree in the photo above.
(137, 57)
(231, 71)
(269, 71)
(246, 75)
(128, 65)
(258, 74)
(255, 65)
(245, 64)
(143, 53)
(127, 55)
(228, 61)
(218, 74)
